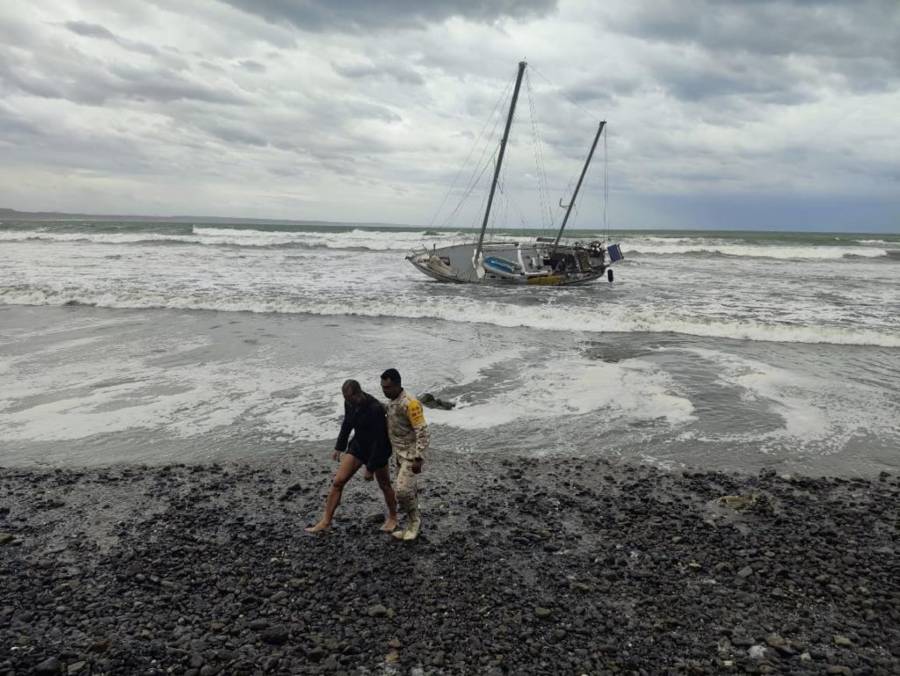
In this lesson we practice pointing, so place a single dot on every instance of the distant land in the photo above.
(7, 214)
(13, 214)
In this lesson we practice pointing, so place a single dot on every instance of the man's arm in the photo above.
(346, 427)
(416, 417)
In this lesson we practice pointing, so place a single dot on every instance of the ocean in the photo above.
(194, 342)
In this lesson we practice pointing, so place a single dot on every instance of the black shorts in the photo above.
(373, 458)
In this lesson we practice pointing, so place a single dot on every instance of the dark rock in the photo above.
(275, 635)
(49, 666)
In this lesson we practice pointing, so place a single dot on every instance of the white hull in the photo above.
(531, 263)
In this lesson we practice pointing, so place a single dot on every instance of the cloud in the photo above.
(73, 75)
(93, 30)
(395, 71)
(825, 42)
(90, 30)
(353, 16)
(233, 134)
(225, 102)
(252, 66)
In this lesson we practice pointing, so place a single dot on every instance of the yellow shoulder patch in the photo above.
(415, 413)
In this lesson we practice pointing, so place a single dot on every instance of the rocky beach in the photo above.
(526, 565)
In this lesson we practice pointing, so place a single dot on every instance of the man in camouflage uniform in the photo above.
(409, 438)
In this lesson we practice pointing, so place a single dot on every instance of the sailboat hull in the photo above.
(531, 263)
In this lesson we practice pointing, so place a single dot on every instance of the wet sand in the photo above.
(524, 566)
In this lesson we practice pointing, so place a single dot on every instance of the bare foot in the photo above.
(318, 528)
(389, 525)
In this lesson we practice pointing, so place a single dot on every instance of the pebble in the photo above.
(205, 570)
(275, 635)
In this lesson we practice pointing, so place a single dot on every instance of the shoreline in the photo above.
(535, 565)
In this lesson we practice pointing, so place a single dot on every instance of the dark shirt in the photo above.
(369, 426)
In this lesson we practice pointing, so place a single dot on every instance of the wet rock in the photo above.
(617, 557)
(757, 652)
(275, 635)
(431, 401)
(738, 502)
(49, 666)
(779, 644)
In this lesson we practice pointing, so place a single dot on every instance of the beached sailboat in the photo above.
(545, 261)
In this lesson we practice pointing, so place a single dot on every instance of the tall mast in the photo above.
(578, 187)
(512, 108)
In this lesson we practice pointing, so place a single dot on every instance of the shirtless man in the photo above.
(409, 439)
(365, 417)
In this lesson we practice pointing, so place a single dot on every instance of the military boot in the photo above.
(413, 526)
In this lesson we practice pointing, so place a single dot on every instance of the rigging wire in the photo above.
(468, 192)
(537, 147)
(562, 93)
(605, 146)
(605, 180)
(476, 175)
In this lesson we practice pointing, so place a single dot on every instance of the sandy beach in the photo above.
(525, 566)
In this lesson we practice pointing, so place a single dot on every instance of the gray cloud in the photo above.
(853, 43)
(233, 134)
(90, 30)
(360, 15)
(13, 126)
(72, 75)
(396, 71)
(252, 66)
(763, 80)
(93, 30)
(226, 102)
(165, 85)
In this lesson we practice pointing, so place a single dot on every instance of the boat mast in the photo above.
(512, 108)
(578, 187)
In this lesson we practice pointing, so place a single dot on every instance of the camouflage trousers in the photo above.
(406, 486)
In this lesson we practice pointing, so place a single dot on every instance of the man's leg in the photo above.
(349, 465)
(407, 498)
(383, 475)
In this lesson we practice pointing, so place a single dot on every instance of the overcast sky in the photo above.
(771, 114)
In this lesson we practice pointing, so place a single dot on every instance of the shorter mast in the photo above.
(509, 118)
(587, 162)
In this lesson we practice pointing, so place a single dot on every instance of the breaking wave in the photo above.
(358, 239)
(655, 248)
(617, 319)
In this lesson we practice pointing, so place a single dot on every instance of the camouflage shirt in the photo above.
(406, 427)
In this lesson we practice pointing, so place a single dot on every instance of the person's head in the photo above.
(391, 384)
(352, 392)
